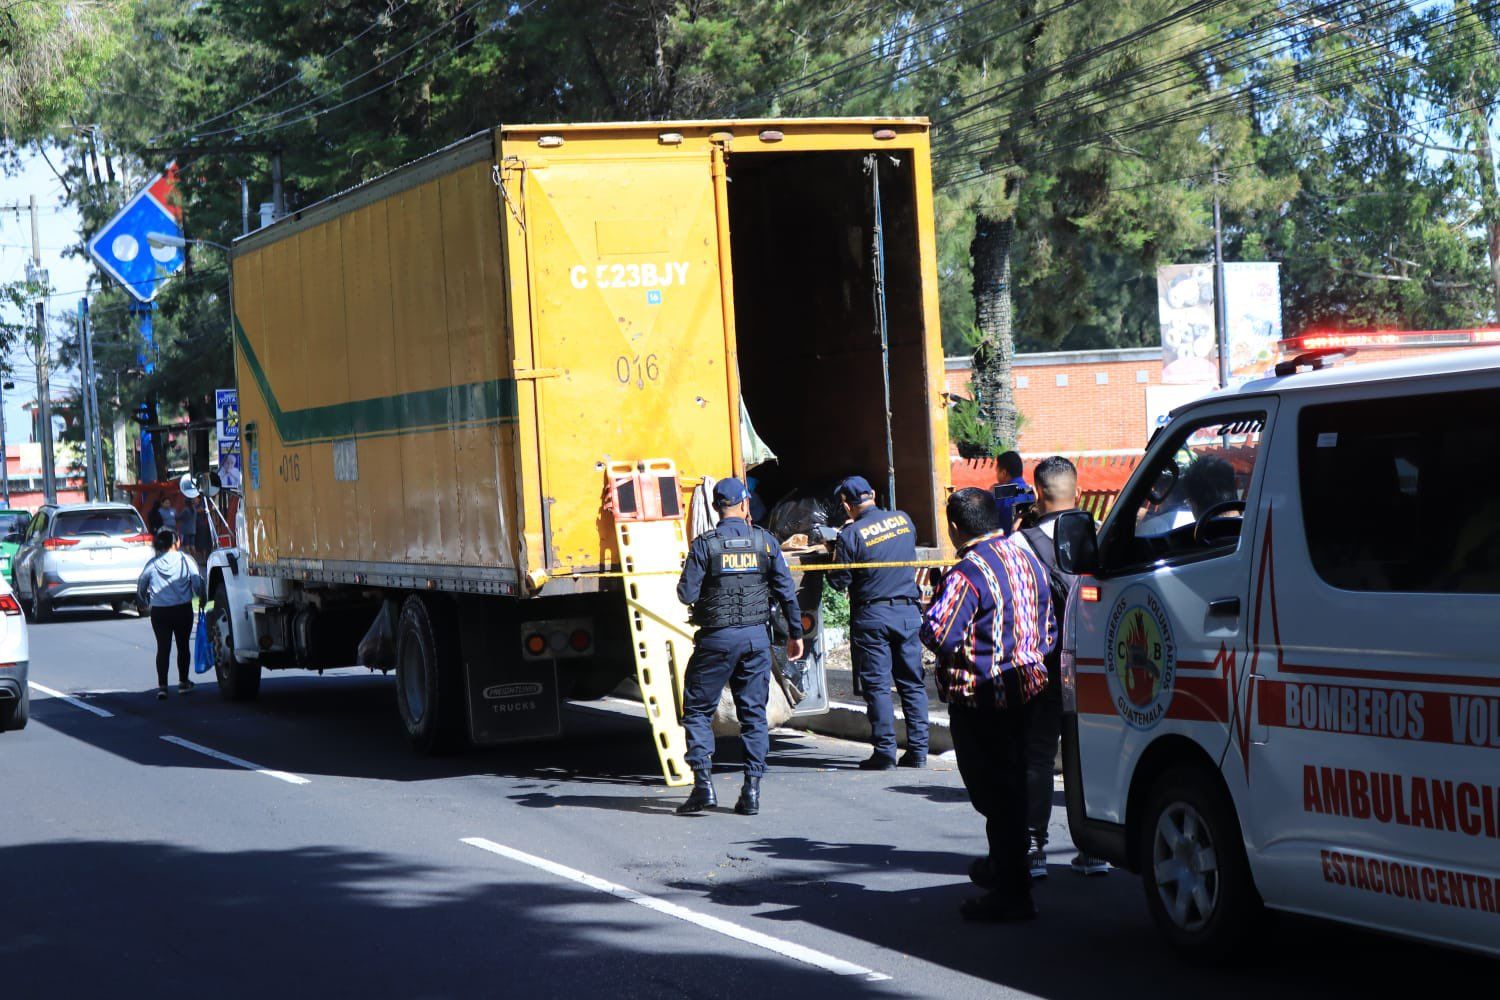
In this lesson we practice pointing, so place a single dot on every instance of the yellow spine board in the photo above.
(652, 553)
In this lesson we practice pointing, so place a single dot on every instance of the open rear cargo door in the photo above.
(629, 338)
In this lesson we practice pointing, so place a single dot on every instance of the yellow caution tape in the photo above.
(794, 567)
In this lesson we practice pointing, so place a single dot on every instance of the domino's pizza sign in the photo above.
(124, 247)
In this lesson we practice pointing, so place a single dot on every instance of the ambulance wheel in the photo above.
(429, 693)
(1193, 866)
(238, 680)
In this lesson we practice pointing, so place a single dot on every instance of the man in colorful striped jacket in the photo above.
(991, 625)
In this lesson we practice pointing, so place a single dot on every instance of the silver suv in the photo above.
(81, 553)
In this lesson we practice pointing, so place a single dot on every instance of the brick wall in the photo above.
(1077, 401)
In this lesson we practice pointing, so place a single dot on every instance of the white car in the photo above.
(1292, 699)
(15, 700)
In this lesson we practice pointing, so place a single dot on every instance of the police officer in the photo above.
(731, 576)
(883, 621)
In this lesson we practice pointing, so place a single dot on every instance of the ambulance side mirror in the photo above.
(1077, 543)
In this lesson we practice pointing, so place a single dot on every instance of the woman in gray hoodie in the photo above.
(168, 585)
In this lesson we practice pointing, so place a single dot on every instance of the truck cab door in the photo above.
(1161, 632)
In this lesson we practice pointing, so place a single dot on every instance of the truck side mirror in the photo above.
(1077, 543)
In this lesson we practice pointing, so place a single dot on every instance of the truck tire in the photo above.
(238, 680)
(1193, 866)
(429, 688)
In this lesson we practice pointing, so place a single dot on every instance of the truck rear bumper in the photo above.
(1094, 837)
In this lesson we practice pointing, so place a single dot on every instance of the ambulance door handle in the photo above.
(1225, 606)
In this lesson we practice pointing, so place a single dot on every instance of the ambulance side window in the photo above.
(1190, 503)
(1396, 494)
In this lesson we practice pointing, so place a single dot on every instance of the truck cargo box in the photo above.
(437, 367)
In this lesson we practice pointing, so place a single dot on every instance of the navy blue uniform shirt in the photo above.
(690, 586)
(876, 536)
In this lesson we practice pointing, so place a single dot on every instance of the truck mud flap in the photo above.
(510, 699)
(652, 553)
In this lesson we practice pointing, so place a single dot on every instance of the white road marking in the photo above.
(787, 949)
(292, 779)
(75, 702)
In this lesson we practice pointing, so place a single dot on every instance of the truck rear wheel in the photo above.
(1193, 866)
(429, 692)
(238, 680)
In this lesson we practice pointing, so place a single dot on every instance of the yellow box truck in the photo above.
(437, 367)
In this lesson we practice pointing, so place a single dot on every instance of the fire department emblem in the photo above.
(1142, 658)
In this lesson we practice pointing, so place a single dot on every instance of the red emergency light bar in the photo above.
(1390, 339)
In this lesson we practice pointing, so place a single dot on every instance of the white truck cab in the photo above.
(1281, 666)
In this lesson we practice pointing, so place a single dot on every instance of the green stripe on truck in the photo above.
(473, 404)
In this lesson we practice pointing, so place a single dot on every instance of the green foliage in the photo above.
(1358, 156)
(52, 53)
(835, 608)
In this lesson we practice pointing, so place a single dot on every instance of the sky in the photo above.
(58, 226)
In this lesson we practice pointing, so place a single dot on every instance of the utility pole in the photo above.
(89, 398)
(91, 389)
(43, 364)
(4, 449)
(1221, 314)
(278, 194)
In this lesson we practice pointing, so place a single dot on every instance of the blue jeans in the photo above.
(740, 657)
(885, 648)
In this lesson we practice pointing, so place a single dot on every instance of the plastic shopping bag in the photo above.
(203, 659)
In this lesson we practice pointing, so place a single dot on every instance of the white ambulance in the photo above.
(1282, 663)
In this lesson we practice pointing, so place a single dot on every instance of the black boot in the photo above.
(702, 796)
(749, 803)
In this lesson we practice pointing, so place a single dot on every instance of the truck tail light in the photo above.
(59, 543)
(569, 638)
(9, 605)
(1089, 593)
(807, 623)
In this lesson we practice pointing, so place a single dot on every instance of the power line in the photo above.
(270, 117)
(299, 75)
(1216, 103)
(1181, 62)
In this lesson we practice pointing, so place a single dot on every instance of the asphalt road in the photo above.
(134, 865)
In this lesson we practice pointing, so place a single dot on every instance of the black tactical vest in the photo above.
(734, 589)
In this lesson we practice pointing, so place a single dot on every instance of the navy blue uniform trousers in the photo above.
(885, 648)
(740, 657)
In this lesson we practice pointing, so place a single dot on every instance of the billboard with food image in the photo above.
(1185, 304)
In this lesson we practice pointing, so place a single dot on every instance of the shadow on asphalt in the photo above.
(92, 918)
(933, 793)
(1079, 948)
(70, 616)
(345, 725)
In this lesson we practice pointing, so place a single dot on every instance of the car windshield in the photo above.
(13, 523)
(72, 523)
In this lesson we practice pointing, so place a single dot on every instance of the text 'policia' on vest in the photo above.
(734, 593)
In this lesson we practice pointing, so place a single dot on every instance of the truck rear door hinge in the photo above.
(521, 374)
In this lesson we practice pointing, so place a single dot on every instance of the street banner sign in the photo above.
(227, 414)
(1185, 306)
(124, 249)
(227, 430)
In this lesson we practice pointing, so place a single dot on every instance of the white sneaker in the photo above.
(1085, 865)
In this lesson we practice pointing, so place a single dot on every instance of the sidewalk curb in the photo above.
(847, 721)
